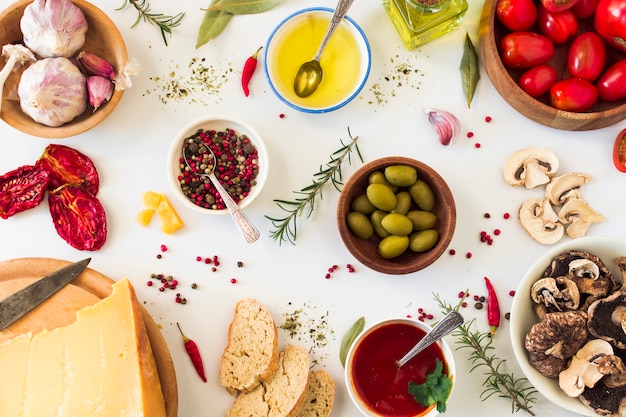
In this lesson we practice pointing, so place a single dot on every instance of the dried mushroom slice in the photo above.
(540, 221)
(586, 368)
(603, 400)
(565, 187)
(554, 294)
(531, 167)
(578, 216)
(607, 318)
(555, 339)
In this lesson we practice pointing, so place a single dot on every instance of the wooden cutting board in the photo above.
(60, 310)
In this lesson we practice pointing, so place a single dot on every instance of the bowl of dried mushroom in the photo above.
(84, 28)
(568, 321)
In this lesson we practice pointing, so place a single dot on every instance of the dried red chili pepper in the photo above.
(22, 189)
(248, 71)
(194, 354)
(78, 217)
(493, 308)
(66, 165)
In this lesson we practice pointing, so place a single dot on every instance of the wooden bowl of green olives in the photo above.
(396, 215)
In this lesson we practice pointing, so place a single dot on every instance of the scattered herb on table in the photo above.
(248, 71)
(164, 22)
(220, 12)
(497, 382)
(469, 69)
(302, 325)
(194, 354)
(286, 227)
(493, 308)
(436, 389)
(349, 338)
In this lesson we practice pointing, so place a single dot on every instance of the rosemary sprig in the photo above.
(498, 382)
(164, 22)
(286, 228)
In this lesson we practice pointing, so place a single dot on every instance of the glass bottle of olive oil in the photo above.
(421, 21)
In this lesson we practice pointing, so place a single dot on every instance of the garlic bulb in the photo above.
(53, 28)
(53, 91)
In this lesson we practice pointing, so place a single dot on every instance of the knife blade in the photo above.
(21, 302)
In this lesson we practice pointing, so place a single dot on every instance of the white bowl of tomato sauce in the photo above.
(376, 386)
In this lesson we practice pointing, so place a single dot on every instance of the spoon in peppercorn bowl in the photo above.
(202, 163)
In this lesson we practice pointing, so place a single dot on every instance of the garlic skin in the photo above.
(53, 28)
(53, 91)
(100, 90)
(131, 69)
(445, 123)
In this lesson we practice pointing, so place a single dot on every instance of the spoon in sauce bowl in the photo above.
(207, 169)
(309, 75)
(447, 324)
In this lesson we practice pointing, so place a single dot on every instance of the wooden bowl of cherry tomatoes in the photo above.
(559, 63)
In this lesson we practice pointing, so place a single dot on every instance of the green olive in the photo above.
(360, 225)
(422, 219)
(378, 177)
(401, 175)
(397, 224)
(376, 219)
(393, 246)
(381, 196)
(423, 240)
(422, 195)
(363, 205)
(403, 203)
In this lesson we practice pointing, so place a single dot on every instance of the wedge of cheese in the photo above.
(101, 365)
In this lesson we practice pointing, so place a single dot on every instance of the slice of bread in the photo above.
(251, 354)
(320, 398)
(284, 394)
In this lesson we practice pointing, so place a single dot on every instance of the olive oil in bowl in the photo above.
(345, 61)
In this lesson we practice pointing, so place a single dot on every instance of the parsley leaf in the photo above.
(435, 389)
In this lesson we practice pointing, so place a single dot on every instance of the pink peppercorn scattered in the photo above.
(470, 134)
(477, 145)
(163, 248)
(452, 252)
(488, 119)
(327, 276)
(149, 283)
(199, 258)
(512, 293)
(463, 304)
(233, 280)
(282, 115)
(208, 261)
(350, 268)
(506, 216)
(497, 232)
(468, 255)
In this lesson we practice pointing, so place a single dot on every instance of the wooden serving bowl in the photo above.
(366, 250)
(102, 38)
(602, 114)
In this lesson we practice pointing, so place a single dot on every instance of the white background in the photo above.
(130, 149)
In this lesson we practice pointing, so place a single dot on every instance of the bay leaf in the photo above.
(349, 338)
(214, 23)
(244, 6)
(470, 73)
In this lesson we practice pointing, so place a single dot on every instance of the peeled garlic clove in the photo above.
(53, 91)
(53, 28)
(100, 90)
(445, 123)
(92, 64)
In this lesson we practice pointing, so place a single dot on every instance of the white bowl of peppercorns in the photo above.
(241, 163)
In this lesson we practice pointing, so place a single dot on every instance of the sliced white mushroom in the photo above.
(584, 268)
(531, 167)
(583, 369)
(579, 216)
(545, 291)
(565, 187)
(540, 221)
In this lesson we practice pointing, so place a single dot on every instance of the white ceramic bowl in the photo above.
(523, 316)
(217, 123)
(338, 88)
(350, 364)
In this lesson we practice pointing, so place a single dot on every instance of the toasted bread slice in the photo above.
(284, 394)
(251, 355)
(320, 398)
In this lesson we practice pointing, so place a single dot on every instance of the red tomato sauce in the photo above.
(379, 382)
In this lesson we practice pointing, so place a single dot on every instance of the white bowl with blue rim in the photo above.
(346, 60)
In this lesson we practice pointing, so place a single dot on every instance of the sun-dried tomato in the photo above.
(22, 189)
(68, 166)
(78, 217)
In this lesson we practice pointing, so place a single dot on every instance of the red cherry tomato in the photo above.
(612, 83)
(558, 5)
(573, 94)
(522, 50)
(619, 151)
(610, 22)
(585, 8)
(586, 56)
(560, 27)
(538, 80)
(516, 15)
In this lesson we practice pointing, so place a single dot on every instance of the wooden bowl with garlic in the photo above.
(102, 41)
(505, 80)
